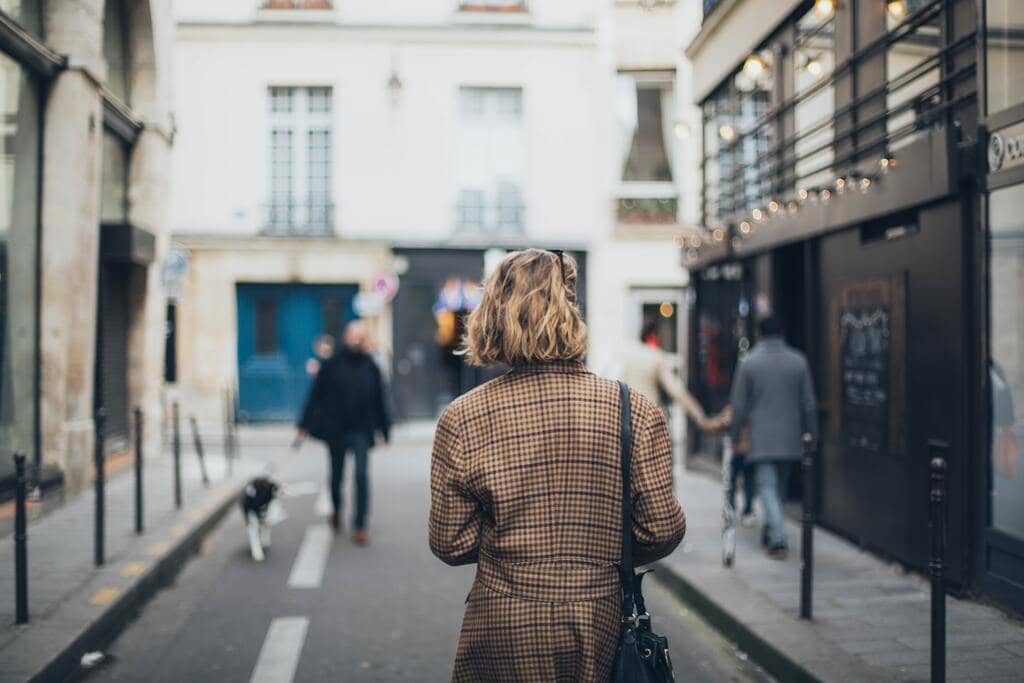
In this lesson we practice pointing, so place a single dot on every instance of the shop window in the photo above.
(490, 165)
(1004, 20)
(301, 157)
(115, 49)
(1006, 371)
(913, 75)
(19, 234)
(114, 184)
(813, 62)
(661, 325)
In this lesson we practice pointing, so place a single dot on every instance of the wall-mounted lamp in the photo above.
(394, 86)
(681, 129)
(727, 132)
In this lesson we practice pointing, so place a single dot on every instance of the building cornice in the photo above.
(709, 26)
(466, 33)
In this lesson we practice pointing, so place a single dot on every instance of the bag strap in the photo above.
(626, 572)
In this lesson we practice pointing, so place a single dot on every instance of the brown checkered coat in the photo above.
(525, 481)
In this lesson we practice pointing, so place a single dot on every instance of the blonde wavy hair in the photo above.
(528, 313)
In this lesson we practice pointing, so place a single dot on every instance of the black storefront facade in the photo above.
(850, 187)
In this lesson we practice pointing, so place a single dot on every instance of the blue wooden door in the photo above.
(277, 325)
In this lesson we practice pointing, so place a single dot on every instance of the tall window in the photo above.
(1004, 24)
(19, 234)
(300, 160)
(737, 143)
(913, 71)
(28, 14)
(490, 162)
(813, 62)
(646, 116)
(1006, 316)
(115, 49)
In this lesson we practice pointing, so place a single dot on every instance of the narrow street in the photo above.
(321, 609)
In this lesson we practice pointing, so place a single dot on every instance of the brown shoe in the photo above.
(360, 537)
(335, 522)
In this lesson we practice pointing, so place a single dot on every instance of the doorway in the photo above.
(277, 327)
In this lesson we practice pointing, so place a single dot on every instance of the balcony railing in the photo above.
(309, 217)
(506, 219)
(297, 4)
(930, 94)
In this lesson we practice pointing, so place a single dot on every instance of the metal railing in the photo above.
(927, 95)
(504, 218)
(309, 217)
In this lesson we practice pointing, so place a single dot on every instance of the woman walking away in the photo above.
(525, 482)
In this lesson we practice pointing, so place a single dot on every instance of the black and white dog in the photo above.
(256, 499)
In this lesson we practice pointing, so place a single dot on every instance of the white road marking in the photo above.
(308, 570)
(323, 505)
(279, 656)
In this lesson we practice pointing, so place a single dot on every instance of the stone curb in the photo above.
(117, 615)
(829, 663)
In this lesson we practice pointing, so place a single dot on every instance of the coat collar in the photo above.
(558, 366)
(772, 343)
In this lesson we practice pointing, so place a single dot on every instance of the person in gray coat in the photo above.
(773, 394)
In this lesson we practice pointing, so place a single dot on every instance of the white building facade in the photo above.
(325, 151)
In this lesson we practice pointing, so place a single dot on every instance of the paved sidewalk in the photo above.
(871, 619)
(73, 605)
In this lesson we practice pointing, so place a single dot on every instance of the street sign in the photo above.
(172, 273)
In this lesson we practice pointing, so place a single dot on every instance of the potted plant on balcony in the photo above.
(476, 6)
(317, 4)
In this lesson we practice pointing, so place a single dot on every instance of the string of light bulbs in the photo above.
(854, 181)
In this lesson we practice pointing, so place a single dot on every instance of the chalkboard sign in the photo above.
(864, 376)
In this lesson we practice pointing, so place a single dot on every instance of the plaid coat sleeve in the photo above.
(455, 517)
(658, 520)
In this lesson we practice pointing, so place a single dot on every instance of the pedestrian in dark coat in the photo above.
(773, 395)
(526, 483)
(345, 409)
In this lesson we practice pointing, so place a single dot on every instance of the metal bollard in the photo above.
(138, 470)
(176, 444)
(228, 455)
(937, 451)
(99, 462)
(807, 536)
(199, 450)
(20, 543)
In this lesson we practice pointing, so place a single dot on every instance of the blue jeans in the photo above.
(359, 444)
(772, 482)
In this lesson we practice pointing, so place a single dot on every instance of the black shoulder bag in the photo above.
(643, 655)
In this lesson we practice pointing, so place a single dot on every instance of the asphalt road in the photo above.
(386, 612)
